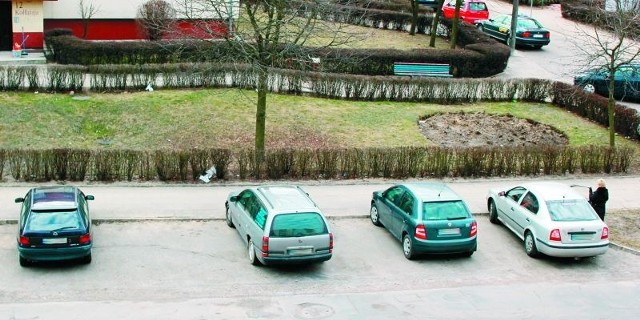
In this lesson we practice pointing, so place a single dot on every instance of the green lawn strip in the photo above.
(225, 118)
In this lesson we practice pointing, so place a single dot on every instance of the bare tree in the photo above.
(610, 46)
(156, 17)
(434, 25)
(268, 33)
(414, 16)
(87, 12)
(455, 23)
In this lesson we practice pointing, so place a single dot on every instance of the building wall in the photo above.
(27, 23)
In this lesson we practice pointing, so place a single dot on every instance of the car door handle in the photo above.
(511, 208)
(528, 220)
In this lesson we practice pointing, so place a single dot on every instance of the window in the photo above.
(515, 193)
(406, 204)
(477, 6)
(445, 210)
(297, 225)
(571, 210)
(530, 202)
(53, 220)
(393, 195)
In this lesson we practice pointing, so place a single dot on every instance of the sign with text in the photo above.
(27, 16)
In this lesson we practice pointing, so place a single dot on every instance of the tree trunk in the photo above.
(261, 119)
(434, 25)
(611, 107)
(414, 17)
(454, 27)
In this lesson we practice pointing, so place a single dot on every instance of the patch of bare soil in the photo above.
(465, 130)
(624, 227)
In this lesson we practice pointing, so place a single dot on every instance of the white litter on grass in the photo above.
(149, 88)
(208, 174)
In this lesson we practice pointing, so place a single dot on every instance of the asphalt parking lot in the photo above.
(190, 262)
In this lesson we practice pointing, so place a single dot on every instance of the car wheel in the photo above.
(480, 28)
(589, 88)
(537, 47)
(493, 212)
(24, 262)
(530, 245)
(252, 253)
(374, 215)
(228, 218)
(86, 259)
(407, 247)
(468, 254)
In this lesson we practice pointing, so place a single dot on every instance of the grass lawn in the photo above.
(225, 118)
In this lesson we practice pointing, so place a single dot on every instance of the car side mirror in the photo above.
(233, 199)
(19, 200)
(89, 197)
(501, 193)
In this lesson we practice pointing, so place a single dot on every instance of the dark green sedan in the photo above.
(426, 218)
(529, 32)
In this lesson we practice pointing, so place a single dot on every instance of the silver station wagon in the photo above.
(279, 225)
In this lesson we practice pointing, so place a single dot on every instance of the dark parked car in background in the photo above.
(54, 225)
(426, 218)
(529, 32)
(433, 4)
(626, 82)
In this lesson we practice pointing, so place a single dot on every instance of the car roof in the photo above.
(432, 191)
(550, 190)
(287, 198)
(54, 198)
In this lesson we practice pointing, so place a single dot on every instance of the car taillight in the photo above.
(85, 238)
(330, 242)
(547, 35)
(265, 246)
(554, 235)
(474, 229)
(605, 233)
(526, 34)
(421, 233)
(24, 241)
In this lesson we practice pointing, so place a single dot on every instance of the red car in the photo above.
(470, 11)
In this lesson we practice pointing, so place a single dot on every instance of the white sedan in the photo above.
(551, 218)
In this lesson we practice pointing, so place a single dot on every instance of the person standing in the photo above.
(598, 198)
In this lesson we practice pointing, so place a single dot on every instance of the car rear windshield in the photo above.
(445, 210)
(297, 225)
(571, 210)
(53, 221)
(477, 6)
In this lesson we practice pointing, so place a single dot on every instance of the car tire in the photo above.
(468, 254)
(374, 215)
(227, 217)
(252, 253)
(480, 28)
(493, 212)
(530, 245)
(86, 259)
(407, 247)
(537, 47)
(24, 262)
(589, 88)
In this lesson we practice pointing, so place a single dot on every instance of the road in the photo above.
(198, 270)
(561, 59)
(179, 260)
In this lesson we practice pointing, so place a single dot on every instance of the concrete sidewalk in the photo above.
(338, 199)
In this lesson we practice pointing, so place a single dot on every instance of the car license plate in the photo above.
(581, 236)
(297, 252)
(537, 36)
(448, 232)
(54, 240)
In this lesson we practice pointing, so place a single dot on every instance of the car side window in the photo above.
(26, 206)
(516, 193)
(84, 209)
(530, 202)
(406, 204)
(246, 201)
(393, 195)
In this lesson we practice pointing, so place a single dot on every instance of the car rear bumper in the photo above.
(275, 260)
(572, 251)
(445, 246)
(532, 42)
(54, 254)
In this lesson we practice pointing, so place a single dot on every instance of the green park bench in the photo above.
(422, 69)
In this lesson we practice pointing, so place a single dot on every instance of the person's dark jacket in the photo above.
(598, 199)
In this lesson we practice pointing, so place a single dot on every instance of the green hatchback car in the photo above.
(54, 225)
(426, 218)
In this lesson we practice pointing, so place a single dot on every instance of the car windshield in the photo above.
(528, 24)
(298, 225)
(53, 220)
(571, 210)
(477, 6)
(444, 210)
